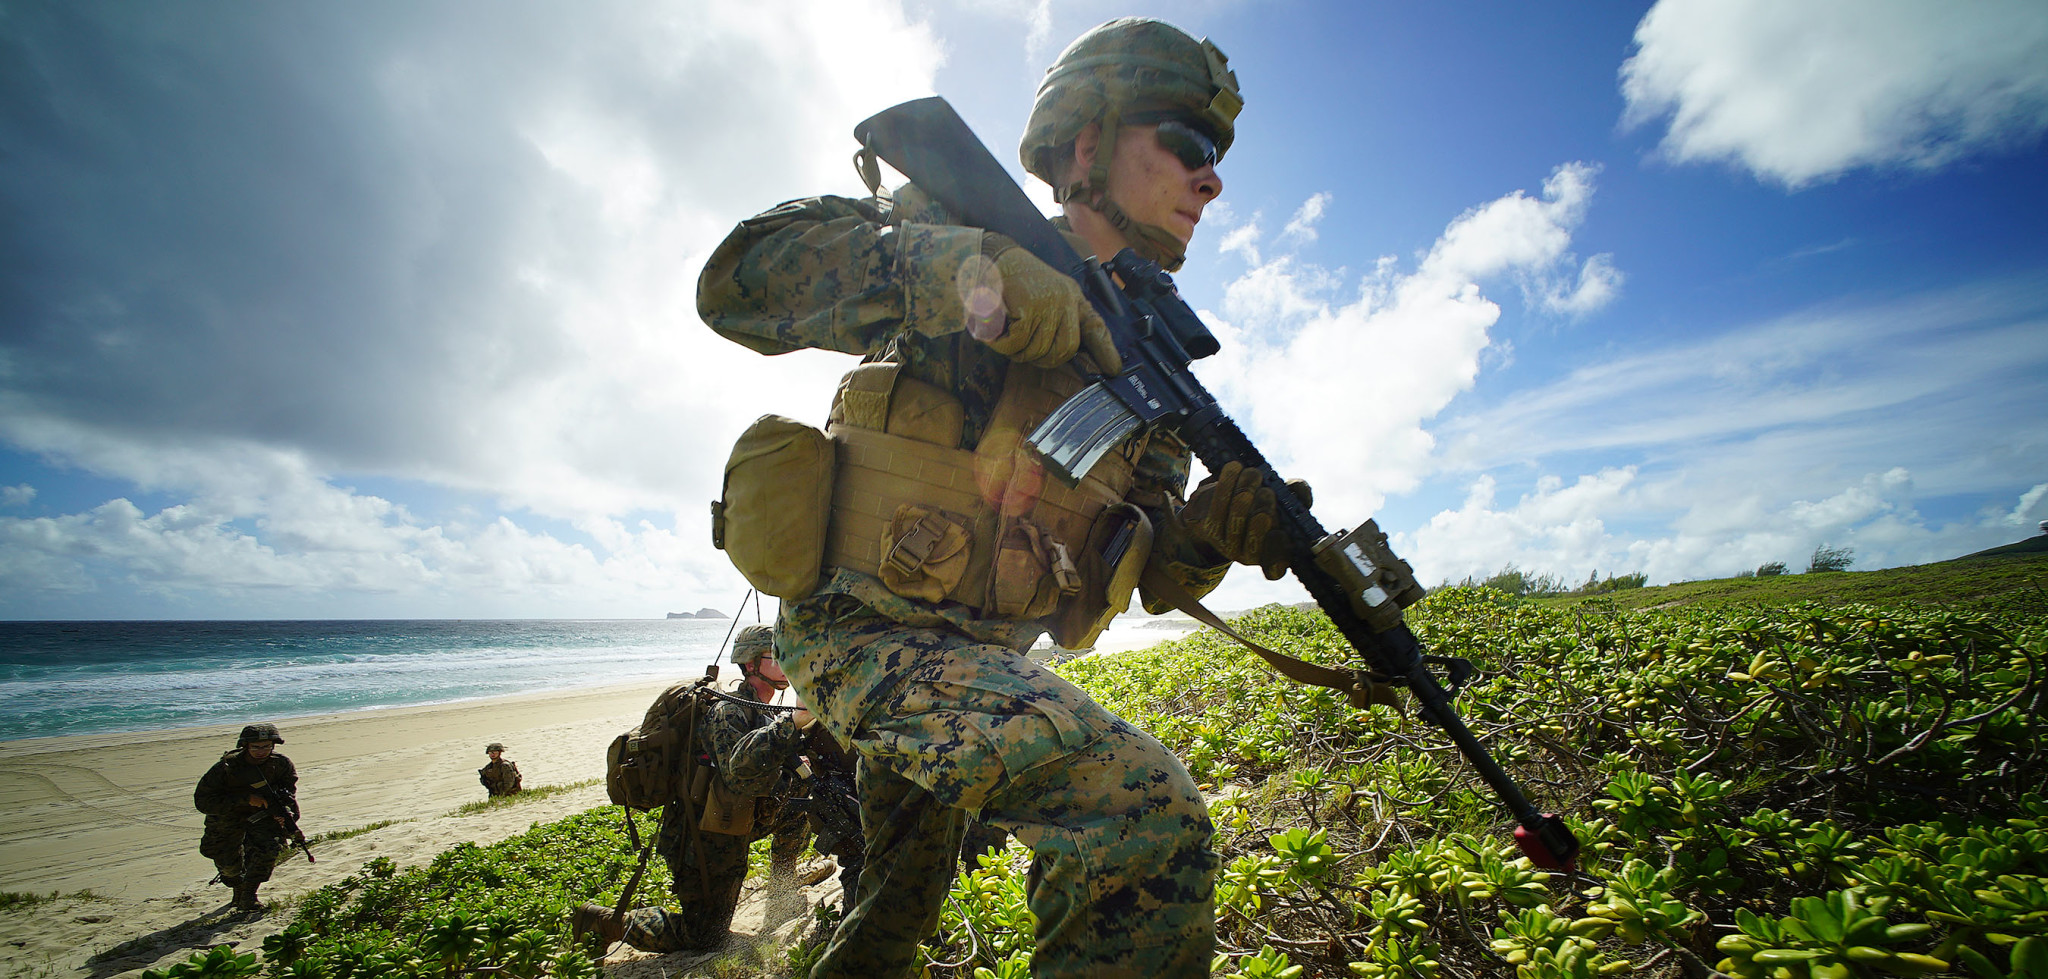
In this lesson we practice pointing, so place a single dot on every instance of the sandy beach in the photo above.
(112, 814)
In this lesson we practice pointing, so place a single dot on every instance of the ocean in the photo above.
(63, 678)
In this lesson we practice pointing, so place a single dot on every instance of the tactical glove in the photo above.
(1233, 514)
(1044, 318)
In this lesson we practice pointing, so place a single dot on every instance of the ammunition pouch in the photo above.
(984, 527)
(886, 490)
(724, 811)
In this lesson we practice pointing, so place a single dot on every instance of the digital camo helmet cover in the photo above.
(753, 642)
(1128, 70)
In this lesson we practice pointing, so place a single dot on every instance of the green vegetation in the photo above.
(341, 834)
(1524, 584)
(1772, 779)
(1826, 558)
(11, 900)
(2016, 583)
(524, 796)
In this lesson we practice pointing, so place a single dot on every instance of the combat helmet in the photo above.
(1129, 70)
(259, 732)
(493, 746)
(753, 642)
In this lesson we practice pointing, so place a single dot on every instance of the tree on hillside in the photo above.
(1826, 558)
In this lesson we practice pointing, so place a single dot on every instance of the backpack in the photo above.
(655, 763)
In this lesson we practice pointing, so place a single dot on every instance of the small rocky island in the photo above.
(702, 613)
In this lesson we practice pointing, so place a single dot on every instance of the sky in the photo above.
(386, 309)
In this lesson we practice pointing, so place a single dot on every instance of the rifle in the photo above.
(284, 810)
(1353, 575)
(831, 799)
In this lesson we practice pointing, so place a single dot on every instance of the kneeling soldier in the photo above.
(752, 753)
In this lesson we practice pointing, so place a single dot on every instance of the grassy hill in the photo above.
(1808, 777)
(1969, 582)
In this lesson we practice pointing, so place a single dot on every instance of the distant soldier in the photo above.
(500, 777)
(754, 755)
(240, 796)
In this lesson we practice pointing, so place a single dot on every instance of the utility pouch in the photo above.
(1118, 546)
(700, 783)
(1033, 571)
(928, 552)
(880, 398)
(725, 812)
(778, 503)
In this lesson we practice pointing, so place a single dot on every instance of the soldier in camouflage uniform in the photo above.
(948, 715)
(500, 777)
(241, 842)
(754, 753)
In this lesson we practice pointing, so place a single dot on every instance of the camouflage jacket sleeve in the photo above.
(284, 774)
(1162, 479)
(834, 273)
(748, 750)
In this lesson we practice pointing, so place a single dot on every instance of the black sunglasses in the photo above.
(1187, 144)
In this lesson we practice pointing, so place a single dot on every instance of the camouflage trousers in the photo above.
(1122, 876)
(705, 903)
(241, 850)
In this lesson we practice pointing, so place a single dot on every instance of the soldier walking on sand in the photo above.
(947, 551)
(500, 777)
(752, 754)
(242, 838)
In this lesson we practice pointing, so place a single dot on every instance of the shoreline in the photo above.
(47, 742)
(112, 814)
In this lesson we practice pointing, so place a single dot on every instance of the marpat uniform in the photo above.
(242, 848)
(499, 777)
(949, 551)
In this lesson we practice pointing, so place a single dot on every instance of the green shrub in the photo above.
(1826, 558)
(1797, 790)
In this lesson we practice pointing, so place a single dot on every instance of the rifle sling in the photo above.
(646, 850)
(690, 813)
(1357, 686)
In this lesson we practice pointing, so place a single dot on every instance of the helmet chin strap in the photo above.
(1149, 240)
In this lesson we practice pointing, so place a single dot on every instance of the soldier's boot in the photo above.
(605, 923)
(245, 896)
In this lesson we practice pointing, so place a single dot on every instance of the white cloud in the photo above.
(1854, 425)
(1953, 376)
(1302, 226)
(18, 495)
(1557, 529)
(1362, 376)
(263, 535)
(465, 260)
(2028, 507)
(1835, 425)
(1616, 521)
(1598, 283)
(1802, 92)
